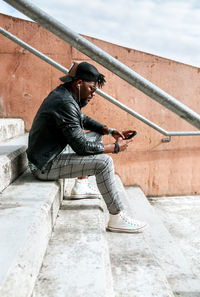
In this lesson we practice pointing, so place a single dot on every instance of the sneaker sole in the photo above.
(120, 230)
(78, 197)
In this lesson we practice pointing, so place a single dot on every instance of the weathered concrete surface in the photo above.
(13, 160)
(166, 250)
(10, 128)
(28, 209)
(181, 217)
(136, 271)
(76, 263)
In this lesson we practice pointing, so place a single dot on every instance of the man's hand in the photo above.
(121, 139)
(124, 134)
(117, 134)
(123, 143)
(127, 133)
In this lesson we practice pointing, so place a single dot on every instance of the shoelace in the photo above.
(93, 189)
(129, 220)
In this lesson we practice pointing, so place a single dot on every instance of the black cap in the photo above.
(84, 71)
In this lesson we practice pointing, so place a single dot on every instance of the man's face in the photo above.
(87, 91)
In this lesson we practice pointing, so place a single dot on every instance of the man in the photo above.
(59, 122)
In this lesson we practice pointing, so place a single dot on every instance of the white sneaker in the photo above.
(82, 189)
(123, 223)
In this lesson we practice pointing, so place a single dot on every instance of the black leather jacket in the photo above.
(58, 122)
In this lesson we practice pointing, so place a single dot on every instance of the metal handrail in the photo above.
(101, 93)
(33, 50)
(65, 70)
(106, 60)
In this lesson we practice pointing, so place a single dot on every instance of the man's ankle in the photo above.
(113, 214)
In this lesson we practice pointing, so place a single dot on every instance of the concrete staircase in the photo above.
(84, 260)
(170, 257)
(28, 209)
(12, 150)
(55, 248)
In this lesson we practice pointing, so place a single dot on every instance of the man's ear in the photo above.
(78, 82)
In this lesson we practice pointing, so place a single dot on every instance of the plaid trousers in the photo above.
(69, 165)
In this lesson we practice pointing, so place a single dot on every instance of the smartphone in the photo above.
(132, 135)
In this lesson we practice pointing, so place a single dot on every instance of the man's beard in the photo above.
(83, 102)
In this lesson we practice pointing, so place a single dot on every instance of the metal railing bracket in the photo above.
(165, 140)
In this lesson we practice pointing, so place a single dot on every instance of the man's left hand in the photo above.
(127, 133)
(116, 134)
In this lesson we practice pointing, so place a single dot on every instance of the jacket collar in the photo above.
(73, 96)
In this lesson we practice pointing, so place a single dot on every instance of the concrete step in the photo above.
(136, 272)
(180, 214)
(13, 160)
(77, 261)
(28, 209)
(167, 252)
(11, 128)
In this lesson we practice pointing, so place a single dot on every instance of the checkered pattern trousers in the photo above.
(69, 165)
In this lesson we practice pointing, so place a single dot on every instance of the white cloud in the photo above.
(7, 9)
(167, 28)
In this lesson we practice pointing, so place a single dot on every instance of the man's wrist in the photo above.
(105, 130)
(117, 148)
(110, 131)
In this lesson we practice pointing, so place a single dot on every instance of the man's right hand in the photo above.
(123, 143)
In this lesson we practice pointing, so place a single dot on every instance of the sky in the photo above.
(170, 29)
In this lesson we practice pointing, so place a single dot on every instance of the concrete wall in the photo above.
(158, 168)
(25, 79)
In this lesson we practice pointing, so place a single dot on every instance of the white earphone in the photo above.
(79, 92)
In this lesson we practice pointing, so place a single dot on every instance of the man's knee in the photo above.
(105, 161)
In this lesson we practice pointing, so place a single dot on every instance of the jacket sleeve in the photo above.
(68, 119)
(90, 124)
